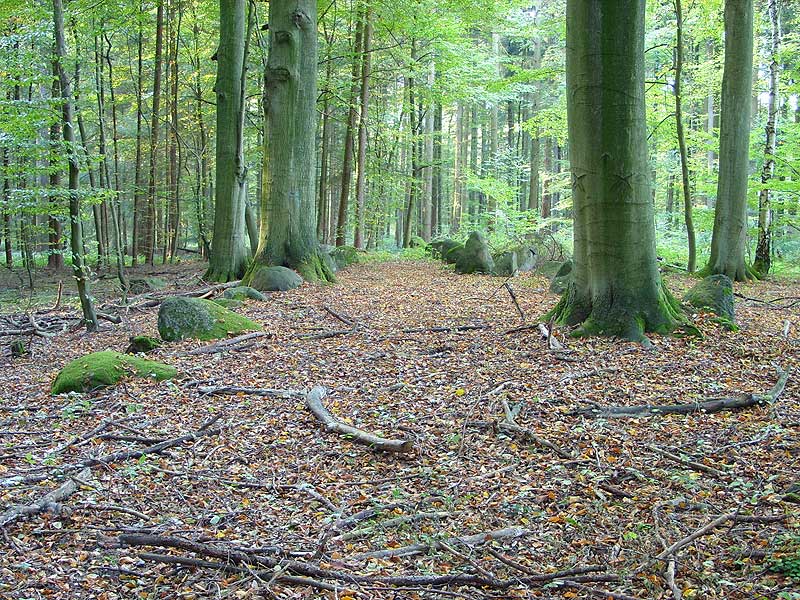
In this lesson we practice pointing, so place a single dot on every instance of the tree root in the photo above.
(713, 405)
(314, 404)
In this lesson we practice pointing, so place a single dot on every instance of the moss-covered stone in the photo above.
(560, 281)
(142, 285)
(228, 303)
(714, 293)
(505, 264)
(417, 242)
(275, 279)
(243, 292)
(102, 369)
(142, 344)
(344, 256)
(441, 248)
(526, 258)
(475, 257)
(182, 318)
(18, 349)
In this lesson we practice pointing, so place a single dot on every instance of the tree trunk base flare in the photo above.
(312, 268)
(314, 404)
(609, 314)
(741, 272)
(223, 274)
(708, 406)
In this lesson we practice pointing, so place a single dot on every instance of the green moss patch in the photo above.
(102, 369)
(194, 318)
(243, 292)
(142, 344)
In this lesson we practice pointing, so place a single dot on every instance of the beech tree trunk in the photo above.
(347, 161)
(290, 114)
(76, 233)
(616, 288)
(229, 254)
(150, 214)
(687, 192)
(763, 259)
(361, 168)
(730, 216)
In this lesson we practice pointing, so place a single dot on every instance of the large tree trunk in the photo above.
(617, 289)
(174, 202)
(687, 192)
(55, 254)
(763, 258)
(730, 218)
(290, 112)
(347, 161)
(361, 172)
(228, 248)
(76, 233)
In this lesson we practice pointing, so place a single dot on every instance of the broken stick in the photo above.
(49, 501)
(314, 404)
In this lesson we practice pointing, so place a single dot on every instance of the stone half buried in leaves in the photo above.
(182, 318)
(106, 368)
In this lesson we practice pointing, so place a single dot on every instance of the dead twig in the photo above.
(49, 501)
(314, 404)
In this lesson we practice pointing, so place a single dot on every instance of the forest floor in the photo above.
(562, 506)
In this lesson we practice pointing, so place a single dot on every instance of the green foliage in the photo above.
(787, 559)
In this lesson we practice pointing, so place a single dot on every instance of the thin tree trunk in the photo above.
(138, 201)
(323, 203)
(55, 255)
(763, 259)
(361, 170)
(76, 235)
(687, 193)
(7, 248)
(150, 230)
(347, 161)
(436, 171)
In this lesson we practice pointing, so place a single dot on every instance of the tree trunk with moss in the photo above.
(229, 254)
(730, 218)
(288, 233)
(616, 289)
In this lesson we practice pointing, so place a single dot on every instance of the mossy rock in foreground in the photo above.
(714, 293)
(243, 292)
(142, 344)
(182, 318)
(275, 279)
(102, 369)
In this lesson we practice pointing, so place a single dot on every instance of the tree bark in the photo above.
(76, 233)
(228, 248)
(730, 216)
(616, 288)
(763, 260)
(290, 114)
(347, 161)
(687, 192)
(150, 214)
(139, 209)
(361, 168)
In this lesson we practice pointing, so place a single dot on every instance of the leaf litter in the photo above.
(508, 493)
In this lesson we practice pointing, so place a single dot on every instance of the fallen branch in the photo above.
(689, 463)
(469, 540)
(49, 501)
(115, 457)
(325, 334)
(446, 329)
(232, 390)
(591, 373)
(514, 299)
(340, 317)
(226, 345)
(401, 520)
(708, 406)
(314, 404)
